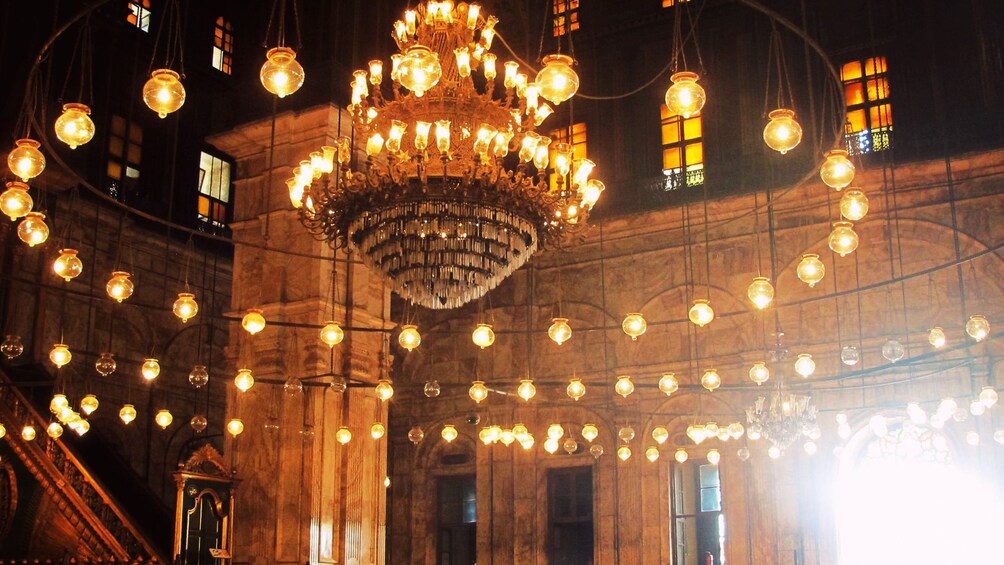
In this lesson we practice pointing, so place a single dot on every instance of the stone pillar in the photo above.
(303, 496)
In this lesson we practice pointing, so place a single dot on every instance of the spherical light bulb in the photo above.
(557, 81)
(624, 386)
(782, 133)
(343, 435)
(560, 331)
(28, 432)
(625, 434)
(419, 70)
(978, 327)
(253, 321)
(551, 445)
(409, 337)
(760, 292)
(596, 450)
(88, 404)
(483, 336)
(431, 389)
(25, 160)
(759, 373)
(685, 97)
(199, 376)
(60, 355)
(74, 126)
(119, 286)
(281, 74)
(660, 434)
(850, 355)
(416, 435)
(936, 337)
(623, 453)
(701, 313)
(575, 389)
(68, 265)
(711, 380)
(570, 445)
(976, 408)
(854, 205)
(668, 383)
(555, 432)
(185, 307)
(590, 432)
(804, 365)
(11, 346)
(127, 413)
(634, 325)
(810, 269)
(384, 390)
(988, 396)
(198, 423)
(526, 390)
(652, 454)
(332, 334)
(681, 455)
(105, 364)
(837, 171)
(33, 229)
(843, 239)
(714, 456)
(164, 93)
(449, 433)
(478, 391)
(150, 369)
(15, 202)
(244, 380)
(893, 350)
(235, 427)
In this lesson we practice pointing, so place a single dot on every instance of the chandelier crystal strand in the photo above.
(782, 418)
(444, 219)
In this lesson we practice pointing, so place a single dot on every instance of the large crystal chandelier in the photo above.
(782, 418)
(458, 190)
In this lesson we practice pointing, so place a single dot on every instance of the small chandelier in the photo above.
(782, 418)
(782, 133)
(68, 265)
(560, 331)
(435, 208)
(15, 202)
(837, 171)
(810, 269)
(74, 126)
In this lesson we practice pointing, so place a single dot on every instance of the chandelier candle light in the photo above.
(434, 208)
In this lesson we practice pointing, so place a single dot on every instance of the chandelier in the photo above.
(782, 418)
(458, 190)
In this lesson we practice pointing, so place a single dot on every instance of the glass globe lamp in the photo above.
(759, 373)
(54, 430)
(185, 307)
(343, 435)
(936, 337)
(150, 369)
(60, 355)
(11, 346)
(57, 403)
(735, 430)
(409, 337)
(804, 365)
(988, 396)
(973, 437)
(526, 390)
(685, 97)
(507, 437)
(570, 445)
(384, 390)
(88, 404)
(198, 423)
(668, 383)
(701, 313)
(520, 432)
(681, 455)
(26, 161)
(590, 432)
(998, 436)
(119, 286)
(624, 386)
(253, 321)
(976, 408)
(743, 453)
(850, 355)
(431, 389)
(478, 391)
(483, 336)
(575, 389)
(338, 385)
(487, 435)
(557, 81)
(244, 380)
(3, 431)
(235, 427)
(555, 432)
(774, 452)
(893, 350)
(978, 327)
(164, 93)
(625, 434)
(760, 292)
(714, 456)
(416, 435)
(560, 331)
(843, 239)
(33, 229)
(623, 453)
(105, 364)
(837, 170)
(854, 204)
(332, 334)
(15, 202)
(551, 445)
(68, 265)
(74, 126)
(281, 74)
(419, 70)
(711, 380)
(199, 376)
(782, 133)
(28, 432)
(810, 269)
(634, 325)
(660, 434)
(449, 433)
(652, 454)
(127, 414)
(596, 451)
(527, 442)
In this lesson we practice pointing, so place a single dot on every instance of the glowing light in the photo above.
(253, 321)
(624, 386)
(560, 331)
(409, 337)
(668, 383)
(634, 325)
